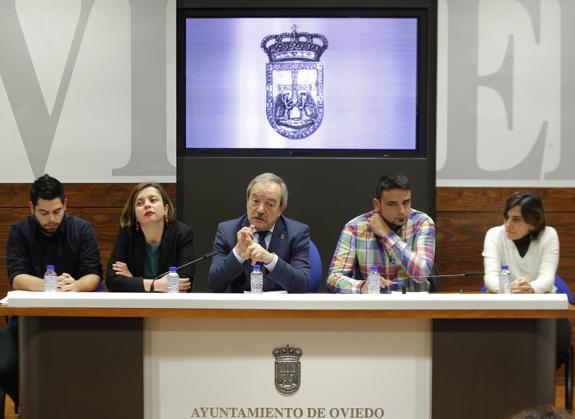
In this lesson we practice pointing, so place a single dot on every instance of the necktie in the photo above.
(262, 242)
(262, 238)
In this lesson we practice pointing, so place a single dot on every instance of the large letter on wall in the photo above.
(148, 152)
(36, 124)
(462, 99)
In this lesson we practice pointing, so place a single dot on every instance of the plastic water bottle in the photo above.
(257, 280)
(173, 280)
(50, 279)
(504, 280)
(373, 281)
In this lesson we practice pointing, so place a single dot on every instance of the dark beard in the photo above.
(394, 227)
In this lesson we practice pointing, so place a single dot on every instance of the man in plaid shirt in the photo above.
(397, 239)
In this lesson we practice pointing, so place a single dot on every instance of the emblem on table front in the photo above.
(287, 369)
(294, 82)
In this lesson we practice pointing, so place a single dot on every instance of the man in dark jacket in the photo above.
(262, 236)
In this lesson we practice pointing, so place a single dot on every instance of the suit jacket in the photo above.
(176, 248)
(290, 242)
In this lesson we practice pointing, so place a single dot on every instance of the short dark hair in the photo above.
(128, 216)
(46, 187)
(388, 182)
(531, 210)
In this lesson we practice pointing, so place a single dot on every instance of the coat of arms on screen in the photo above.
(294, 82)
(287, 369)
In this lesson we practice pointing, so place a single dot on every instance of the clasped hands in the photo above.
(521, 286)
(248, 248)
(67, 283)
(161, 284)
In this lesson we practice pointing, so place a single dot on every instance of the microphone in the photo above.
(418, 279)
(463, 274)
(207, 255)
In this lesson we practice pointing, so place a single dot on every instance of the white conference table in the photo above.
(421, 305)
(414, 355)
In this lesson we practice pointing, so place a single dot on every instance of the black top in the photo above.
(72, 249)
(523, 244)
(176, 249)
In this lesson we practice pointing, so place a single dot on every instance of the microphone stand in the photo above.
(207, 255)
(464, 274)
(407, 283)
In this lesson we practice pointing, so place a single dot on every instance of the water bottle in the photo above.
(373, 281)
(50, 279)
(504, 280)
(173, 280)
(257, 280)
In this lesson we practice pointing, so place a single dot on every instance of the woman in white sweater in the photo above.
(525, 244)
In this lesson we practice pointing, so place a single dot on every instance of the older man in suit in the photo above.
(262, 236)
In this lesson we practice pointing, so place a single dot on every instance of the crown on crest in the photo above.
(301, 46)
(287, 354)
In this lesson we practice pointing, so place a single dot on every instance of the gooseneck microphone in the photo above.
(407, 283)
(207, 255)
(463, 274)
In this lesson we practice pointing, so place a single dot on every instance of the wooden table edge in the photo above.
(284, 313)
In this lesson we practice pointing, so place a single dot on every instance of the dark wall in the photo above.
(323, 193)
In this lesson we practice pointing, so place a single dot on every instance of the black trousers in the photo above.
(563, 340)
(9, 359)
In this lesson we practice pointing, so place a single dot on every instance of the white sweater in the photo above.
(539, 264)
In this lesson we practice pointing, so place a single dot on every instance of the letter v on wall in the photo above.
(36, 124)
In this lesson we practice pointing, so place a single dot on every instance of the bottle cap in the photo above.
(50, 267)
(504, 267)
(256, 268)
(172, 269)
(374, 268)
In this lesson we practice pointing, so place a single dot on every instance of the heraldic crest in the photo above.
(294, 82)
(287, 369)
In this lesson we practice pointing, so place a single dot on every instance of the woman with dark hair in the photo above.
(150, 240)
(525, 244)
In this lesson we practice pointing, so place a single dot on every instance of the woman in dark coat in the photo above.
(150, 240)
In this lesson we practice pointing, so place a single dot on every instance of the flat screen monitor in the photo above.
(313, 83)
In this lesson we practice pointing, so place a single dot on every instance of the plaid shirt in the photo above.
(397, 256)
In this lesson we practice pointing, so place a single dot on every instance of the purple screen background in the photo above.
(370, 83)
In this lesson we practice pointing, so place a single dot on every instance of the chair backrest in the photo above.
(315, 273)
(563, 288)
